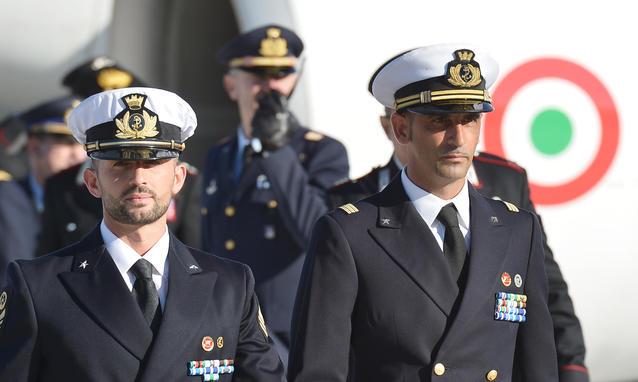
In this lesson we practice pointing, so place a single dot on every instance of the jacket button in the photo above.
(230, 245)
(229, 211)
(204, 211)
(272, 204)
(491, 375)
(439, 369)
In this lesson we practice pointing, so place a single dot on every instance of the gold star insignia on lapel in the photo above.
(84, 264)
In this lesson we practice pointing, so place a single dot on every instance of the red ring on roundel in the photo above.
(581, 77)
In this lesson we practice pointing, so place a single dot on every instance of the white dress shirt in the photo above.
(124, 257)
(429, 205)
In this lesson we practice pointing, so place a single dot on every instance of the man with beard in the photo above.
(130, 301)
(501, 179)
(427, 280)
(70, 211)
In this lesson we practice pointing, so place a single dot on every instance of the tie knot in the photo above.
(142, 269)
(448, 216)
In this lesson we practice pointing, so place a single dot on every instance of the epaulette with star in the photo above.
(313, 136)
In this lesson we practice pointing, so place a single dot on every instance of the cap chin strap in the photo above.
(170, 145)
(430, 96)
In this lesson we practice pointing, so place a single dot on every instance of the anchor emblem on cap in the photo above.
(464, 72)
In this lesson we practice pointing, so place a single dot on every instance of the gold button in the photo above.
(491, 375)
(204, 211)
(439, 369)
(229, 211)
(272, 204)
(230, 245)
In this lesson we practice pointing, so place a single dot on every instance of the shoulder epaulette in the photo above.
(313, 136)
(349, 208)
(510, 206)
(499, 161)
(5, 176)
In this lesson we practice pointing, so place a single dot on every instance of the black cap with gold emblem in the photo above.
(50, 118)
(133, 124)
(445, 78)
(97, 75)
(269, 50)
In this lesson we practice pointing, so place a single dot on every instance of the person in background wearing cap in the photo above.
(70, 210)
(130, 301)
(265, 187)
(50, 149)
(427, 280)
(500, 179)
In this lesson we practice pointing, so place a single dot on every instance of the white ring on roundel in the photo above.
(533, 98)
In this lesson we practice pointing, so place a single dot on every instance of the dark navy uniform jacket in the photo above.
(265, 218)
(503, 179)
(65, 321)
(377, 300)
(19, 223)
(70, 211)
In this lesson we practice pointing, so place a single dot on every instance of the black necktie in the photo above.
(145, 292)
(453, 242)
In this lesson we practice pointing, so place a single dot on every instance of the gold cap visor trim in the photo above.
(51, 128)
(172, 145)
(430, 96)
(262, 61)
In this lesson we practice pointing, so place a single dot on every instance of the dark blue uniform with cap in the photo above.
(70, 316)
(19, 214)
(263, 216)
(378, 299)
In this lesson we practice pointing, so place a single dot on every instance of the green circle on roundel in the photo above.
(551, 131)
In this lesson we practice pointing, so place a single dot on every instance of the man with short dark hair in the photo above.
(427, 280)
(130, 301)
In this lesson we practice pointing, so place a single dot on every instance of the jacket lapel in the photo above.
(190, 292)
(488, 250)
(97, 285)
(409, 242)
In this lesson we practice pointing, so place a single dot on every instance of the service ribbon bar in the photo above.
(510, 307)
(211, 370)
(210, 363)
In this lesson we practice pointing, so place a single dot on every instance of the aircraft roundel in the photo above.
(557, 119)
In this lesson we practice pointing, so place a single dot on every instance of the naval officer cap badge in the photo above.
(271, 50)
(444, 78)
(133, 124)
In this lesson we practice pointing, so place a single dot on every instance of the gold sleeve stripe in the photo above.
(349, 208)
(262, 322)
(4, 176)
(510, 206)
